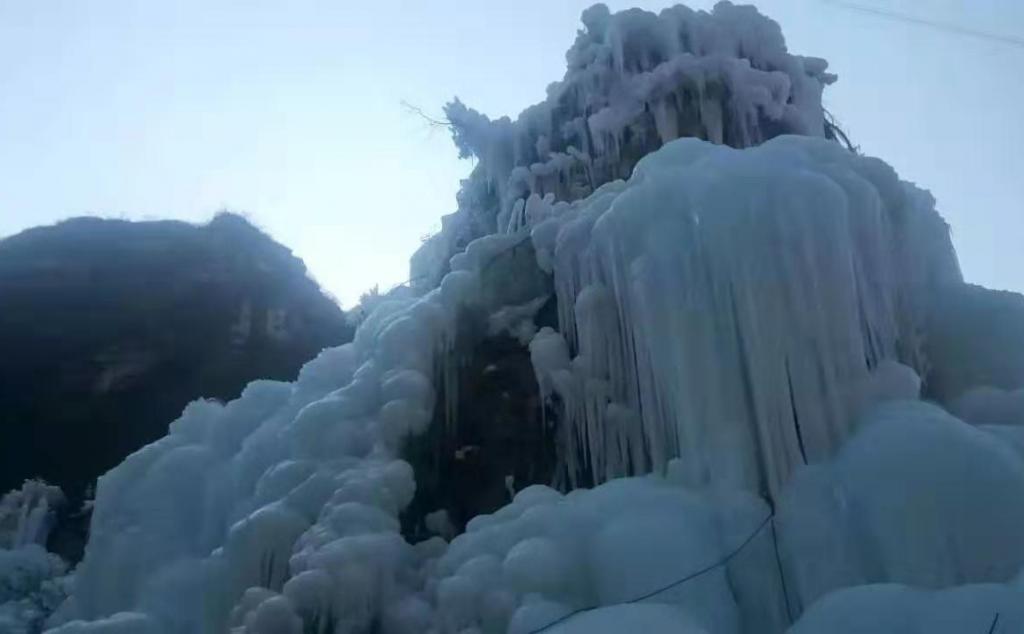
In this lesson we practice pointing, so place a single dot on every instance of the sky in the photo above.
(291, 112)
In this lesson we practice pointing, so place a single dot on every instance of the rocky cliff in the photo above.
(108, 328)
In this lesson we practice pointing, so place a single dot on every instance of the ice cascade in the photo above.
(734, 308)
(741, 322)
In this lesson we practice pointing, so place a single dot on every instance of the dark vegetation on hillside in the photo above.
(109, 328)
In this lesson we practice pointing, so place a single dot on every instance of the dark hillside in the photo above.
(108, 328)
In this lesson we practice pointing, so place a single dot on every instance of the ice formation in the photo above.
(734, 368)
(766, 289)
(883, 510)
(32, 585)
(32, 581)
(27, 514)
(988, 404)
(917, 497)
(700, 290)
(634, 81)
(900, 609)
(973, 333)
(293, 483)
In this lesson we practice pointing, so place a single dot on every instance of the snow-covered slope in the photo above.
(740, 336)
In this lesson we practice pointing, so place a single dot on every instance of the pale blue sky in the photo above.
(290, 112)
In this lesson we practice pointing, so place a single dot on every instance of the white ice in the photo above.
(770, 290)
(729, 322)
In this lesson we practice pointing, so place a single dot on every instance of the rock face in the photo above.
(108, 328)
(490, 435)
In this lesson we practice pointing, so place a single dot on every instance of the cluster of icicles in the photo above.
(760, 289)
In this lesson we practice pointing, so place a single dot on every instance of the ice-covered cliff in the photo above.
(728, 347)
(634, 81)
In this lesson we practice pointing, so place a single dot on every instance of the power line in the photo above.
(949, 27)
(706, 569)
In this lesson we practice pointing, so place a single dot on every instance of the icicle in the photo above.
(725, 297)
(666, 120)
(27, 514)
(711, 118)
(515, 221)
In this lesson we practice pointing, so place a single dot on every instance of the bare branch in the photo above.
(434, 121)
(833, 128)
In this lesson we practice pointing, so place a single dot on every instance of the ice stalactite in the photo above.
(33, 582)
(27, 514)
(634, 81)
(732, 305)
